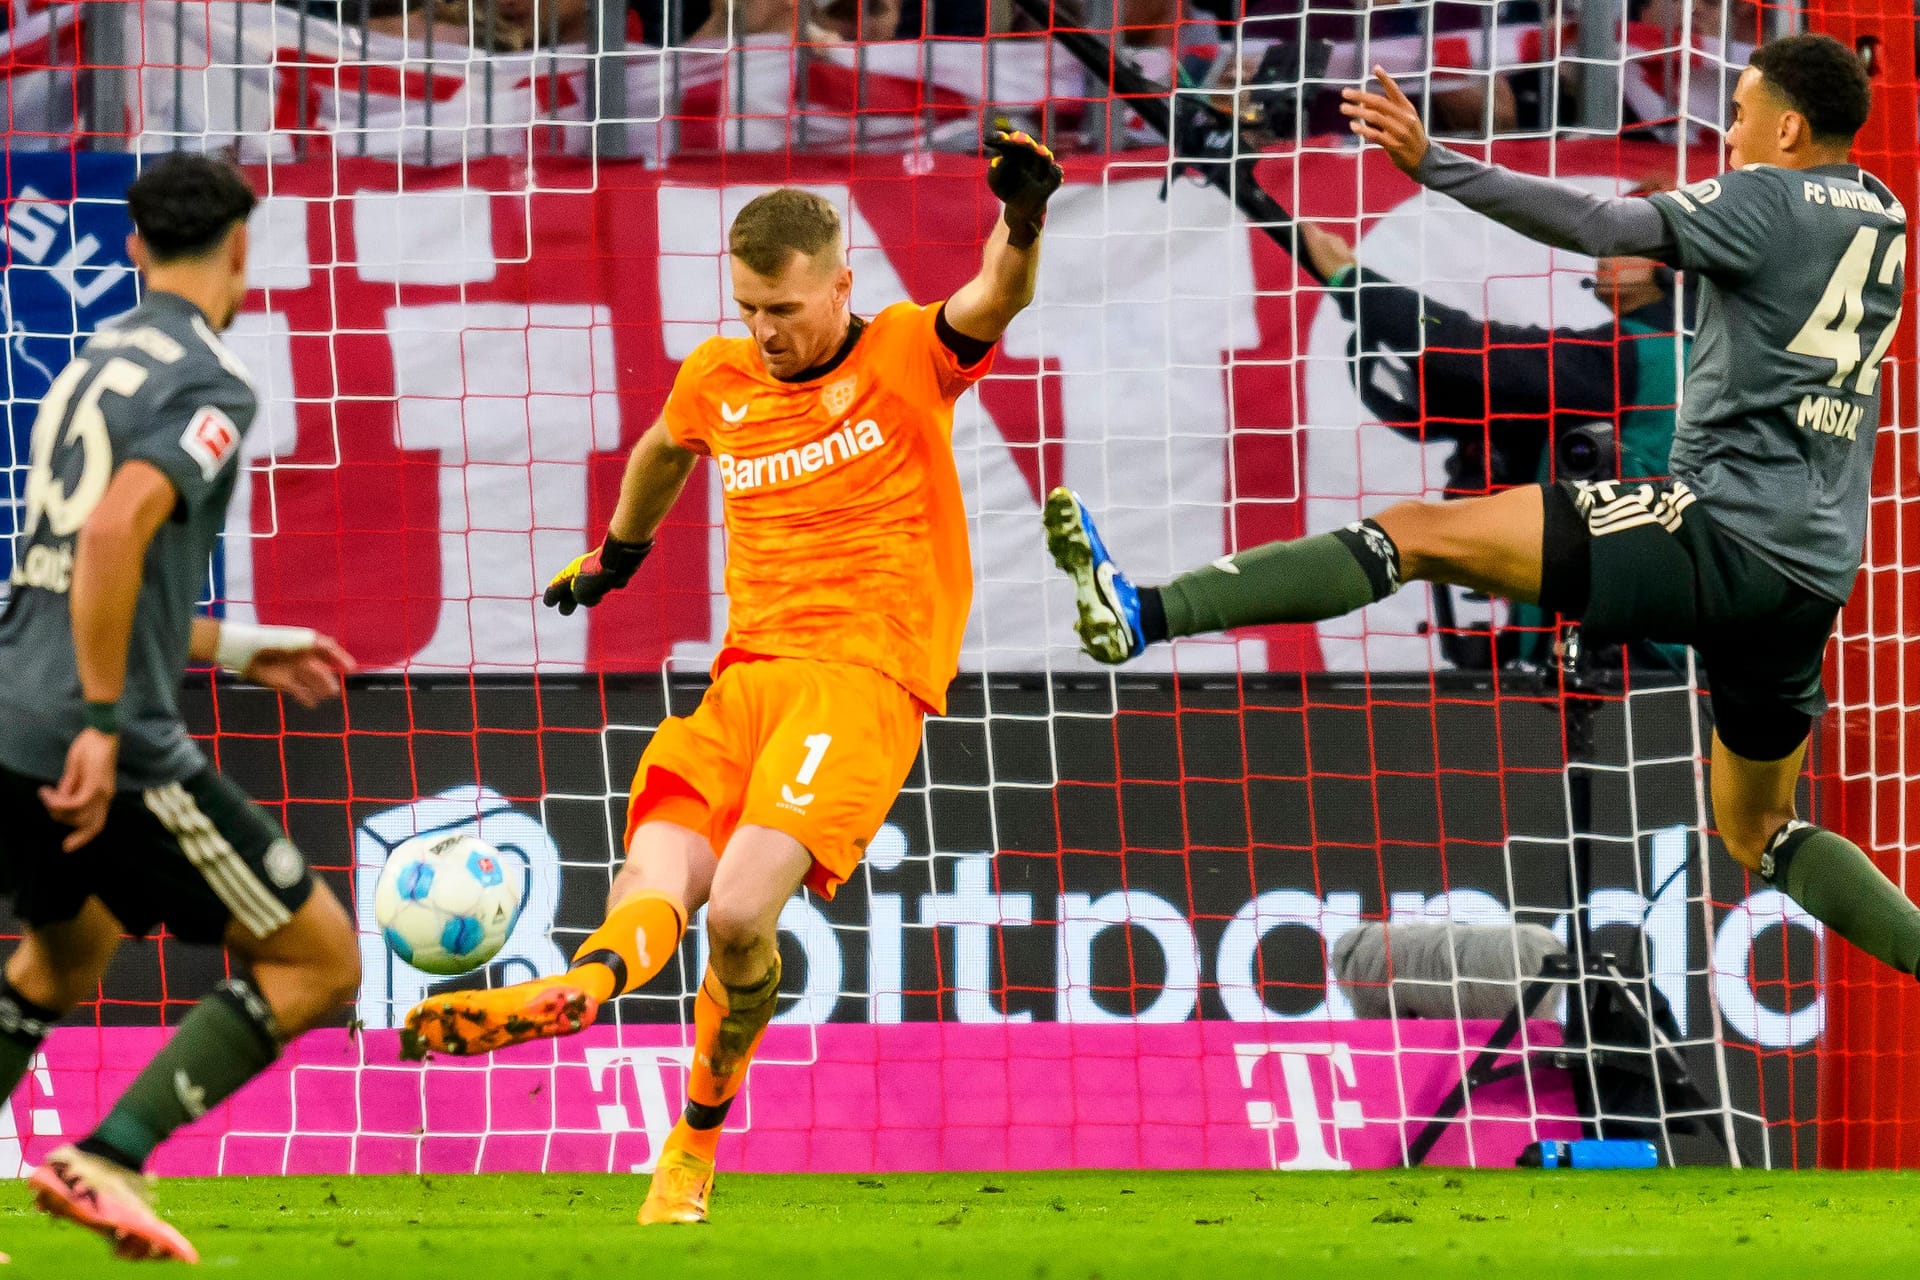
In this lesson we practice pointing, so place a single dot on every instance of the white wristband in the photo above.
(240, 643)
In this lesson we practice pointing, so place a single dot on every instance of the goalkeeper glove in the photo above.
(1023, 175)
(587, 579)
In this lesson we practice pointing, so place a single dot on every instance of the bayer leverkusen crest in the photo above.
(838, 396)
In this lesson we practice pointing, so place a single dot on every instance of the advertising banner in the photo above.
(1181, 859)
(835, 1099)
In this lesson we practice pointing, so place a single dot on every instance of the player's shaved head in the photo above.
(775, 226)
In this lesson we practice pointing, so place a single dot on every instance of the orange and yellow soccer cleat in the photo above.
(470, 1022)
(109, 1201)
(682, 1181)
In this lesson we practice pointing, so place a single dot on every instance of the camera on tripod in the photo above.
(1265, 109)
(1271, 103)
(1586, 450)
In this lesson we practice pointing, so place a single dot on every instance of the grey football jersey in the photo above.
(156, 385)
(1800, 273)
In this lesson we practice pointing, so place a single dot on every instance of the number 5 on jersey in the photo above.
(816, 745)
(55, 428)
(1832, 331)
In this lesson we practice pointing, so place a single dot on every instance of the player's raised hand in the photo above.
(309, 674)
(587, 579)
(85, 790)
(1388, 119)
(1024, 175)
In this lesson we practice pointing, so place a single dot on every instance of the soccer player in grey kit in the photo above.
(1747, 553)
(111, 818)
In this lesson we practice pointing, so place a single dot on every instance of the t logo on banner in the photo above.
(42, 1120)
(649, 1064)
(1303, 1101)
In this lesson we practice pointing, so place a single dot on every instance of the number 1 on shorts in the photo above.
(816, 745)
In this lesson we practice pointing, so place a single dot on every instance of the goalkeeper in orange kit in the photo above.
(848, 580)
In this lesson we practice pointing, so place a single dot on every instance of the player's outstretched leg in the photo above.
(1304, 580)
(762, 869)
(476, 1022)
(301, 973)
(1109, 607)
(639, 936)
(1492, 544)
(646, 918)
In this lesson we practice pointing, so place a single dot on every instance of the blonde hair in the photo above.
(775, 226)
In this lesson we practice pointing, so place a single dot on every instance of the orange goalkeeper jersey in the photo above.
(846, 535)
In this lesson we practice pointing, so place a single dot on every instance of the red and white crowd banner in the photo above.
(836, 1098)
(266, 80)
(39, 49)
(454, 364)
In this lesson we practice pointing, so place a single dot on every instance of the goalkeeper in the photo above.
(848, 584)
(1747, 554)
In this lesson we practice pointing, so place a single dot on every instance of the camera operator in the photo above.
(1603, 396)
(1523, 404)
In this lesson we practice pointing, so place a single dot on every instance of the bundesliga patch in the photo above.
(210, 439)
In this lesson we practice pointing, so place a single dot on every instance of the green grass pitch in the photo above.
(1564, 1226)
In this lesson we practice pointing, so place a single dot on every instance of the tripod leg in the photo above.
(1481, 1069)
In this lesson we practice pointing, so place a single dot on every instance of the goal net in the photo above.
(1116, 919)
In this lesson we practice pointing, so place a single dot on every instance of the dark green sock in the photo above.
(1840, 887)
(1305, 580)
(23, 1026)
(224, 1041)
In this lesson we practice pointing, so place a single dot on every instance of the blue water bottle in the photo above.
(1590, 1153)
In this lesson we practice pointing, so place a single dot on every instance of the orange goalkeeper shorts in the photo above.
(818, 750)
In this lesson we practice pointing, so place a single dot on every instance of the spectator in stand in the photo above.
(1460, 107)
(1652, 82)
(547, 23)
(857, 19)
(511, 25)
(814, 21)
(410, 20)
(967, 18)
(327, 10)
(450, 23)
(1143, 24)
(1741, 18)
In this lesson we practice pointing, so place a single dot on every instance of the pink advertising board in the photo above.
(837, 1099)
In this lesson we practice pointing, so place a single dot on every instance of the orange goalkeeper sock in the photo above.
(728, 1022)
(640, 936)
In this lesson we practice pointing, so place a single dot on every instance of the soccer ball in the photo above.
(447, 903)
